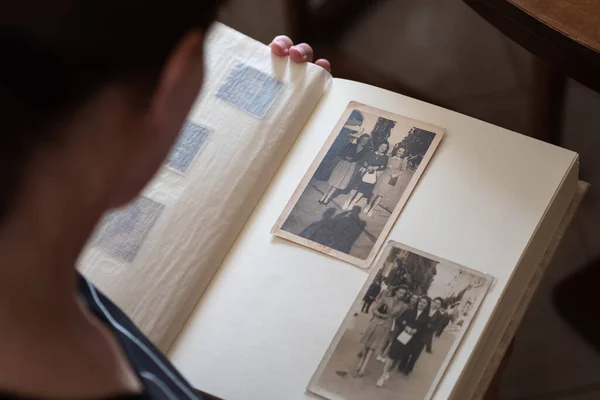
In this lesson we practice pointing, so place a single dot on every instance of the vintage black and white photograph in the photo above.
(402, 330)
(356, 187)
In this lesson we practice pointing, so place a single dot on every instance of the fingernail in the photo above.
(282, 44)
(303, 52)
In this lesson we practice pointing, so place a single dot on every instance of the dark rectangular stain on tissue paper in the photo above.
(189, 143)
(122, 233)
(250, 89)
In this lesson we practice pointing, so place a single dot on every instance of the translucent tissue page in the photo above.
(271, 312)
(155, 257)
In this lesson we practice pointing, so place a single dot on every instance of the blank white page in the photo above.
(272, 310)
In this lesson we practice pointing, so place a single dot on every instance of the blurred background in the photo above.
(444, 52)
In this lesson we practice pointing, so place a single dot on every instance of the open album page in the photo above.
(267, 319)
(155, 257)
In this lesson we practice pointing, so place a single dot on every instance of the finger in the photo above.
(323, 63)
(301, 53)
(280, 46)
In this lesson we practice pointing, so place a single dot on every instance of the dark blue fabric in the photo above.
(160, 379)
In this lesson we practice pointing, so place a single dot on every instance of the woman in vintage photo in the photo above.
(401, 295)
(412, 303)
(374, 340)
(392, 181)
(416, 346)
(345, 169)
(373, 162)
(408, 342)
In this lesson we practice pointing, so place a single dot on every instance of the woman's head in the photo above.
(414, 299)
(94, 93)
(424, 303)
(401, 292)
(383, 147)
(398, 151)
(363, 140)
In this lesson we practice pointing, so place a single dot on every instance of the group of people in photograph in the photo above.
(365, 169)
(402, 325)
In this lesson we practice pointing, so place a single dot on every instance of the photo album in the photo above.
(315, 237)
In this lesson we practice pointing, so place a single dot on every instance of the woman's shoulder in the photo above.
(400, 307)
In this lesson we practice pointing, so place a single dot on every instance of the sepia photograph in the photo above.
(402, 330)
(356, 187)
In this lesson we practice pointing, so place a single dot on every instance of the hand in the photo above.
(283, 46)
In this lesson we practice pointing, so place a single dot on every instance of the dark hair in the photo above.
(428, 302)
(400, 287)
(387, 145)
(58, 54)
(397, 147)
(440, 299)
